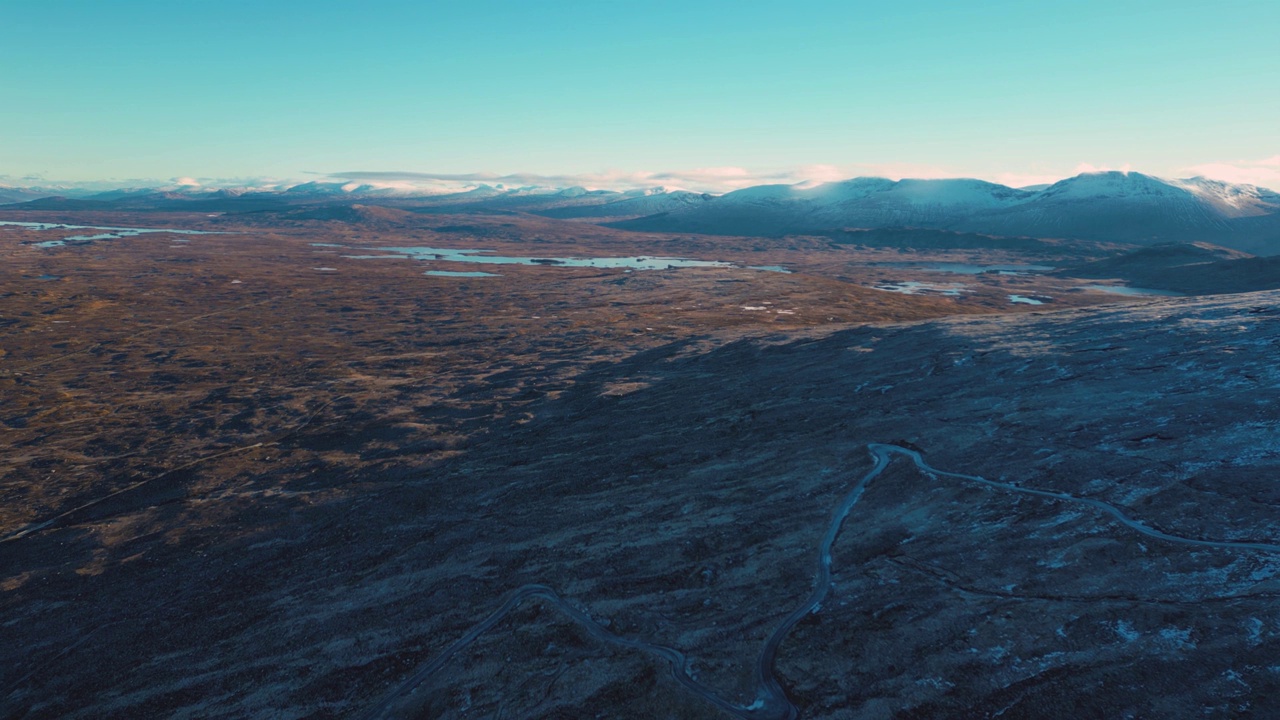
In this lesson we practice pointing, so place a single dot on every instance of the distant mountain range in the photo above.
(1105, 207)
(1108, 207)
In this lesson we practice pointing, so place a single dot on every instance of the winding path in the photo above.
(771, 701)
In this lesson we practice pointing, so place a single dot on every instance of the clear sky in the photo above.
(1012, 91)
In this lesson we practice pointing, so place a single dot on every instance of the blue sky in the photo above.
(615, 91)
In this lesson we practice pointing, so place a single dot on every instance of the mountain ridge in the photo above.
(1108, 206)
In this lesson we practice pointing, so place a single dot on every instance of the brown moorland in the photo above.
(248, 475)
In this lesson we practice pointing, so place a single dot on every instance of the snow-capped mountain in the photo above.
(860, 202)
(649, 203)
(17, 194)
(1109, 206)
(1233, 200)
(1123, 207)
(923, 202)
(1106, 206)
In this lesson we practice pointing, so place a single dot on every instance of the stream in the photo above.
(771, 701)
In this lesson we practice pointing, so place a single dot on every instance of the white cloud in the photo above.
(717, 179)
(1021, 180)
(1265, 172)
(707, 179)
(1085, 167)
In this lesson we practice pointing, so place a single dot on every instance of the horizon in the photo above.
(409, 182)
(707, 95)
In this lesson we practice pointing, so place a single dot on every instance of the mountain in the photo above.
(1233, 200)
(636, 205)
(16, 195)
(1103, 207)
(1107, 207)
(59, 202)
(1110, 206)
(355, 214)
(120, 194)
(856, 203)
(521, 199)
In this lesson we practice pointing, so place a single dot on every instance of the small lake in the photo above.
(112, 233)
(913, 287)
(1024, 300)
(968, 268)
(459, 273)
(639, 262)
(1131, 291)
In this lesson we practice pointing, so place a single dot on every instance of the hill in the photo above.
(1188, 268)
(1101, 207)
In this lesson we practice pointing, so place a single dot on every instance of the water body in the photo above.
(1025, 300)
(641, 262)
(456, 273)
(48, 277)
(113, 233)
(914, 287)
(638, 262)
(1126, 290)
(969, 269)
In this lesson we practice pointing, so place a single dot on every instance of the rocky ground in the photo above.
(281, 496)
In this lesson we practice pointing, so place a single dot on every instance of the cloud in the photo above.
(1090, 168)
(708, 179)
(701, 179)
(1021, 180)
(715, 179)
(1265, 172)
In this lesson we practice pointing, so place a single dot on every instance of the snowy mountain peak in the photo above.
(957, 191)
(1111, 184)
(1231, 199)
(646, 192)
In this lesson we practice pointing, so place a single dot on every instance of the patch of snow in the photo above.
(1125, 630)
(914, 287)
(1254, 627)
(1177, 637)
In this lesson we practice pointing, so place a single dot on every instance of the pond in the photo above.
(913, 287)
(639, 262)
(969, 268)
(113, 233)
(1132, 291)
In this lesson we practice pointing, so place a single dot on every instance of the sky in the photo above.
(693, 93)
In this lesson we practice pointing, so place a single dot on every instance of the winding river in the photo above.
(771, 701)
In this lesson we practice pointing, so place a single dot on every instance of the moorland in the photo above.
(276, 468)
